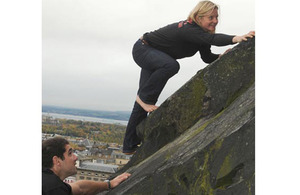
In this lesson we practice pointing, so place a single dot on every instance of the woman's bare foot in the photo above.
(146, 107)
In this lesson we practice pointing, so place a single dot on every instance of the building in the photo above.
(70, 179)
(120, 158)
(95, 171)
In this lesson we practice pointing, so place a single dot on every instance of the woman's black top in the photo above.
(184, 39)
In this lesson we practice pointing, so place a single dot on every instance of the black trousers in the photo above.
(156, 69)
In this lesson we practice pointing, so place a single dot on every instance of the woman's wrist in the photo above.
(235, 39)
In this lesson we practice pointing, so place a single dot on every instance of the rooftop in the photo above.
(99, 167)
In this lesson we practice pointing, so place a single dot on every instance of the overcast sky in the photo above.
(86, 47)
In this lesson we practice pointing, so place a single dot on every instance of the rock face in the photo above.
(201, 140)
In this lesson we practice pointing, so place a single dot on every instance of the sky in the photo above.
(86, 47)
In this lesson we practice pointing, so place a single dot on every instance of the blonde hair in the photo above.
(202, 8)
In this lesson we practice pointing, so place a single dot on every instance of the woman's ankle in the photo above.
(146, 107)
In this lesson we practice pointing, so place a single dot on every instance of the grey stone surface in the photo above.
(201, 140)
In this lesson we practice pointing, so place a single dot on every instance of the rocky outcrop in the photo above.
(201, 140)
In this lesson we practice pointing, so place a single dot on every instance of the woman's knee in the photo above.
(177, 67)
(173, 67)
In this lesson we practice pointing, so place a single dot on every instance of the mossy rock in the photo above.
(202, 139)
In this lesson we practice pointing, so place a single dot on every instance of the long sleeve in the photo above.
(206, 55)
(198, 36)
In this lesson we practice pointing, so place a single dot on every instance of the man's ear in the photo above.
(56, 161)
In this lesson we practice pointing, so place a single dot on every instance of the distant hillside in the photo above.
(117, 115)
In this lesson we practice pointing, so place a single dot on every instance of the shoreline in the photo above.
(85, 118)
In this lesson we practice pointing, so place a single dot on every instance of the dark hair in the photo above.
(53, 147)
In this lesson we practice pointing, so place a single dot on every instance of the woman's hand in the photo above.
(238, 39)
(225, 52)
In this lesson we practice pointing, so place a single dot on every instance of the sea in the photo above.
(85, 118)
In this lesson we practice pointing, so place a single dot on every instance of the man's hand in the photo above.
(119, 179)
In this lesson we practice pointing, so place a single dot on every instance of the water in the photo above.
(85, 118)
